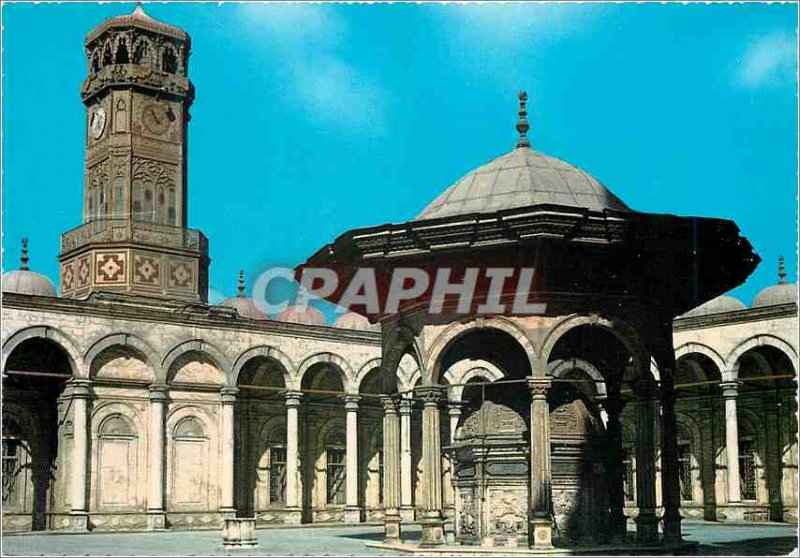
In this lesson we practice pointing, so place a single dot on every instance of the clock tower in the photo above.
(134, 236)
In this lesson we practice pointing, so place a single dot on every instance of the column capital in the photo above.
(227, 395)
(80, 388)
(430, 395)
(539, 387)
(351, 401)
(157, 392)
(730, 390)
(389, 404)
(404, 406)
(293, 398)
(645, 388)
(454, 408)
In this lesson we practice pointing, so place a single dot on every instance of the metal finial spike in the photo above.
(139, 9)
(241, 284)
(24, 257)
(781, 271)
(522, 123)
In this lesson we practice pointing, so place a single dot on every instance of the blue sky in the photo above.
(311, 120)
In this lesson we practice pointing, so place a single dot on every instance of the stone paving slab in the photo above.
(714, 539)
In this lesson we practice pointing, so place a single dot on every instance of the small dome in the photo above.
(782, 293)
(25, 281)
(351, 320)
(777, 294)
(723, 303)
(297, 315)
(520, 178)
(246, 307)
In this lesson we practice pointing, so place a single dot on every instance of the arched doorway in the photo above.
(37, 434)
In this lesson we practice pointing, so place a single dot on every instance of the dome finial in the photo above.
(781, 271)
(241, 284)
(24, 257)
(522, 123)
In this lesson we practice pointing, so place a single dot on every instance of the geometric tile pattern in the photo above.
(146, 270)
(110, 268)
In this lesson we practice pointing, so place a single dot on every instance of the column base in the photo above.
(156, 520)
(352, 514)
(228, 513)
(292, 516)
(672, 530)
(407, 513)
(239, 533)
(391, 527)
(646, 528)
(432, 525)
(618, 524)
(79, 521)
(542, 533)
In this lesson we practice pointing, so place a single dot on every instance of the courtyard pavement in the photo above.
(715, 539)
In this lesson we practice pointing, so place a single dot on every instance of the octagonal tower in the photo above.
(134, 236)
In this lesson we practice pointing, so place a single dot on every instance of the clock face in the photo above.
(157, 117)
(97, 122)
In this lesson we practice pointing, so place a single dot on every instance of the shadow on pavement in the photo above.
(766, 546)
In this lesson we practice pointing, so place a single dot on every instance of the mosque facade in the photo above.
(130, 402)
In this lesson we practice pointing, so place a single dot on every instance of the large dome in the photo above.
(782, 293)
(722, 303)
(25, 281)
(520, 178)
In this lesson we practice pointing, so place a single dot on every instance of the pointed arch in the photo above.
(702, 349)
(122, 340)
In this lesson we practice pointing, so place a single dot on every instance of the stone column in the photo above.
(228, 400)
(646, 522)
(432, 521)
(455, 414)
(352, 513)
(540, 464)
(156, 516)
(391, 471)
(406, 498)
(730, 393)
(773, 462)
(294, 515)
(670, 481)
(616, 491)
(80, 424)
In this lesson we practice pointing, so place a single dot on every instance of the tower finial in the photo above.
(24, 257)
(781, 271)
(139, 10)
(241, 284)
(522, 123)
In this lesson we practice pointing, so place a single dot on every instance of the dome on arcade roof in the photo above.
(25, 281)
(722, 303)
(781, 293)
(297, 315)
(520, 178)
(246, 307)
(351, 320)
